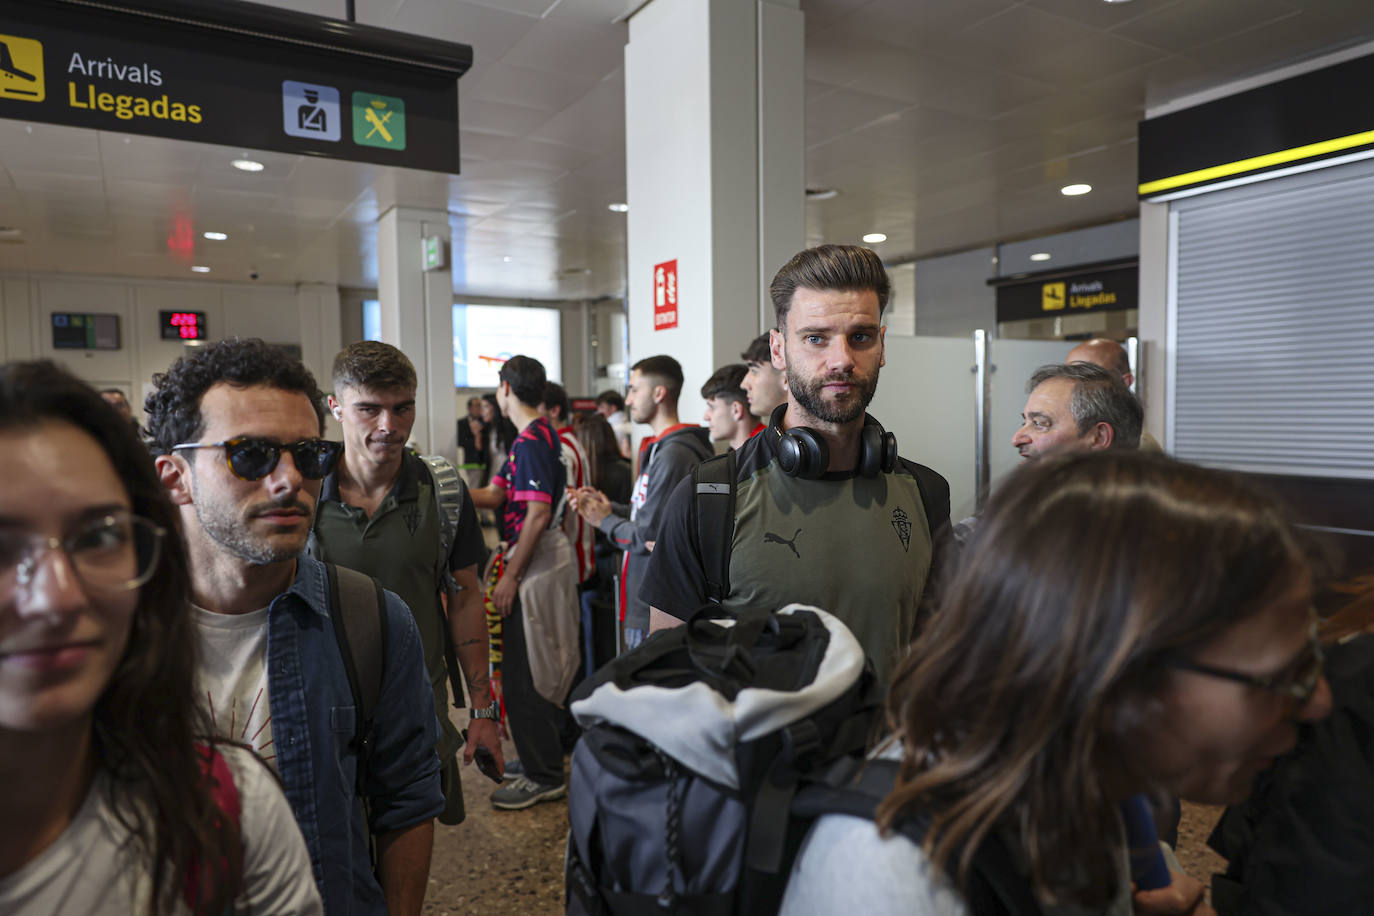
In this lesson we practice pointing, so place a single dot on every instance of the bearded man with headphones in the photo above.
(818, 508)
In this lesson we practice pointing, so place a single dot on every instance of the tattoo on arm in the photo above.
(471, 642)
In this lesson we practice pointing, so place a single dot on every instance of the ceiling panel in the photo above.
(1180, 27)
(947, 124)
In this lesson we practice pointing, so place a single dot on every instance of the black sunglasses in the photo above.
(251, 458)
(1297, 681)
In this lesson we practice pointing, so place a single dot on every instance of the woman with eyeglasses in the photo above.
(1121, 623)
(113, 799)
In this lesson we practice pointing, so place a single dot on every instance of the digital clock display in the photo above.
(183, 325)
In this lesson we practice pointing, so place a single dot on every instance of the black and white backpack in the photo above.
(695, 744)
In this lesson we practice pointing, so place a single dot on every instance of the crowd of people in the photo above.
(227, 668)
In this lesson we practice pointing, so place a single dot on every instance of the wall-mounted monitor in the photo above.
(182, 325)
(485, 336)
(83, 331)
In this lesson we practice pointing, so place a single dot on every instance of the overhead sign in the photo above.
(1294, 122)
(81, 331)
(665, 295)
(1051, 295)
(235, 74)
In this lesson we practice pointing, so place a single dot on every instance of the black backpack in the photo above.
(357, 608)
(708, 752)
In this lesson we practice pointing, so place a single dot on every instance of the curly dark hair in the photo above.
(172, 411)
(146, 723)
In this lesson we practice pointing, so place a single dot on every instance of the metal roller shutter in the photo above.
(1272, 359)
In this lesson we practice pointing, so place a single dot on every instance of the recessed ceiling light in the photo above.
(248, 165)
(618, 208)
(216, 236)
(1040, 256)
(1074, 190)
(200, 269)
(506, 259)
(874, 238)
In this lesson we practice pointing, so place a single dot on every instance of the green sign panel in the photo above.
(379, 120)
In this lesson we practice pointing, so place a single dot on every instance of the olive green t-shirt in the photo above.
(858, 547)
(399, 547)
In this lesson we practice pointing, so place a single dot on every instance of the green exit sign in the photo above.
(433, 253)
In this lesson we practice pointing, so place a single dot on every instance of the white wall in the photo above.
(305, 315)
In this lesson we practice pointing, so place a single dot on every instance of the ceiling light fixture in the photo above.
(215, 236)
(618, 208)
(199, 269)
(248, 165)
(1075, 190)
(1040, 256)
(874, 238)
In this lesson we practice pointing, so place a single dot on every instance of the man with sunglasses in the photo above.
(378, 513)
(237, 429)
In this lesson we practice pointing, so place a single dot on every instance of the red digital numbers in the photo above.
(187, 324)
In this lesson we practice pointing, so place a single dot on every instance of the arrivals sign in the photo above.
(1051, 295)
(235, 74)
(665, 295)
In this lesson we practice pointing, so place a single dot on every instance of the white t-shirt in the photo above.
(232, 681)
(93, 870)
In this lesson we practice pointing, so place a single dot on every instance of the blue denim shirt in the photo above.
(313, 722)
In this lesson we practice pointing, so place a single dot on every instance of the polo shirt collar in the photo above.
(405, 489)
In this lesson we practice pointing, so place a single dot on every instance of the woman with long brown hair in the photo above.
(1120, 624)
(112, 799)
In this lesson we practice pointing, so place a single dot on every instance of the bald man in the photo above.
(1108, 354)
(1112, 356)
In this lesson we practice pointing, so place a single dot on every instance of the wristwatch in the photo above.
(486, 712)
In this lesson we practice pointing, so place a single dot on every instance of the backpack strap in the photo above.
(449, 492)
(996, 887)
(448, 503)
(713, 493)
(357, 608)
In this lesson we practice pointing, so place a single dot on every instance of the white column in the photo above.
(714, 104)
(417, 317)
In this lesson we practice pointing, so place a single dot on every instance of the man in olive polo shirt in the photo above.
(377, 514)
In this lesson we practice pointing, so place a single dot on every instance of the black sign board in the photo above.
(80, 331)
(1057, 294)
(1315, 116)
(235, 74)
(182, 325)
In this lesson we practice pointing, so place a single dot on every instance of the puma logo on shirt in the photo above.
(771, 538)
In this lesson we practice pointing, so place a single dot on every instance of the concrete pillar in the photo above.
(417, 317)
(715, 156)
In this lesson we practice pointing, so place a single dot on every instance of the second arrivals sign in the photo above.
(1114, 289)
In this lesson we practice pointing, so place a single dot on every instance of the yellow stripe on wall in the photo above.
(1258, 162)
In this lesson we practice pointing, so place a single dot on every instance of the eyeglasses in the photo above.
(112, 553)
(251, 458)
(1297, 681)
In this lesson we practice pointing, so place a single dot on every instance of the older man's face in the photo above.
(1047, 424)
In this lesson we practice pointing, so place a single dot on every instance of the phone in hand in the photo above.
(487, 764)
